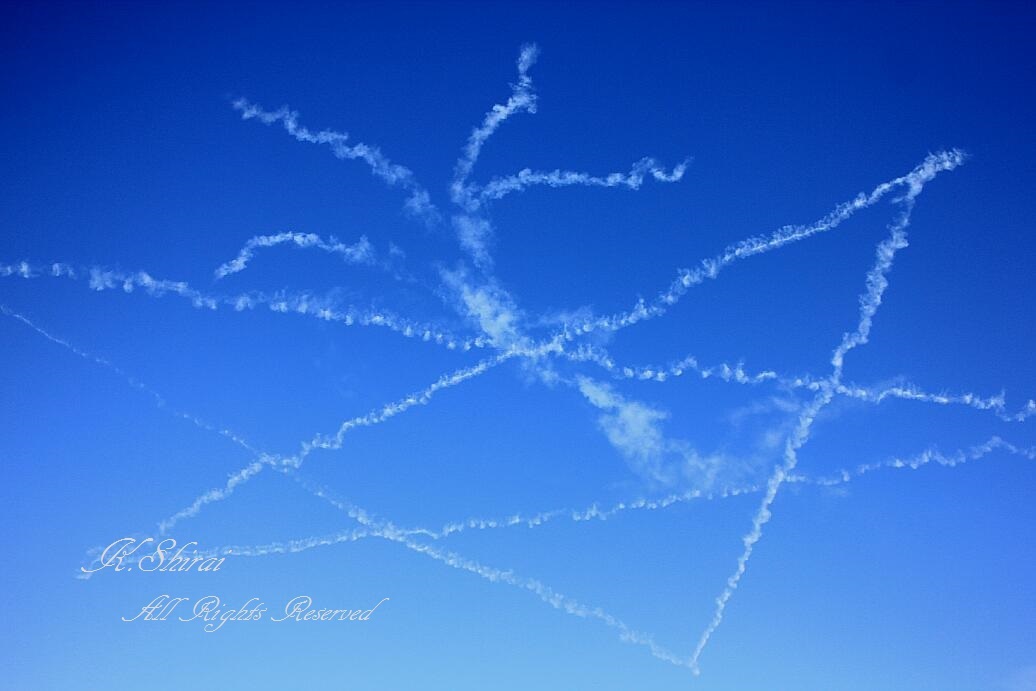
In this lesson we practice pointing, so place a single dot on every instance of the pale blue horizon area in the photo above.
(897, 550)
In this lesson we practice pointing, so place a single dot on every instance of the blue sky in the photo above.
(620, 347)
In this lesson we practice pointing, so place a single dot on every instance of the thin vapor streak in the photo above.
(132, 382)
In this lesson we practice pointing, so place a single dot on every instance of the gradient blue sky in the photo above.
(123, 153)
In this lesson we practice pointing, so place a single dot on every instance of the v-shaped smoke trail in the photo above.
(870, 301)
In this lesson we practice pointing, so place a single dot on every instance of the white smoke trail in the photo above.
(501, 187)
(362, 252)
(390, 410)
(593, 512)
(419, 203)
(590, 513)
(22, 269)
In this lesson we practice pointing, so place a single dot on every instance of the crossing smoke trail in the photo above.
(134, 383)
(870, 301)
(543, 592)
(474, 231)
(301, 303)
(419, 202)
(360, 253)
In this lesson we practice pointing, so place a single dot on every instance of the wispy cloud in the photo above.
(635, 430)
